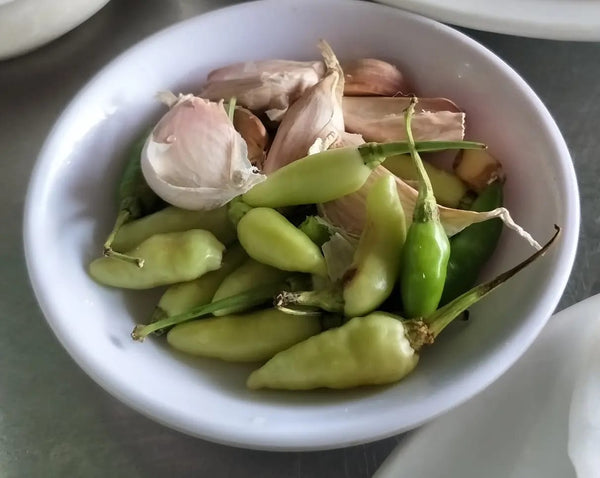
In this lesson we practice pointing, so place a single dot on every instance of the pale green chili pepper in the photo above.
(247, 275)
(174, 219)
(331, 174)
(250, 337)
(169, 258)
(268, 237)
(376, 264)
(184, 296)
(376, 349)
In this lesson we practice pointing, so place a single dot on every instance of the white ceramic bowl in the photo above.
(28, 24)
(70, 208)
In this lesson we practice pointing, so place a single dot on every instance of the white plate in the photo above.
(551, 19)
(518, 427)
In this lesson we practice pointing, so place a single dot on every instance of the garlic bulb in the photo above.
(194, 158)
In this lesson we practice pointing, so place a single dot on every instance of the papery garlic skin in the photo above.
(314, 122)
(373, 77)
(195, 159)
(269, 86)
(382, 119)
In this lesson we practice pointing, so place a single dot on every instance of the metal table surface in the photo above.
(54, 421)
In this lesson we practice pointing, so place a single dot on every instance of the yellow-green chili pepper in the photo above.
(247, 275)
(169, 258)
(174, 219)
(331, 174)
(250, 337)
(184, 296)
(376, 264)
(427, 248)
(268, 237)
(367, 350)
(376, 349)
(448, 188)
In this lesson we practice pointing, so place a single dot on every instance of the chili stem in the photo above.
(251, 298)
(326, 299)
(231, 108)
(426, 206)
(385, 150)
(108, 251)
(440, 319)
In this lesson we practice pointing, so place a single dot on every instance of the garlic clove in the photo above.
(254, 133)
(195, 159)
(373, 77)
(381, 119)
(264, 86)
(314, 122)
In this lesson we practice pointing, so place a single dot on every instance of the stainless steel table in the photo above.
(54, 421)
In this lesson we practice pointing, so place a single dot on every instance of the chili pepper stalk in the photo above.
(243, 301)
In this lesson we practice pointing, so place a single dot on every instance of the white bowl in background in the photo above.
(70, 207)
(29, 24)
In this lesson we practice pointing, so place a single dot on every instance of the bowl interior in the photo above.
(71, 205)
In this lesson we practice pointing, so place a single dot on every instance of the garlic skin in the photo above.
(381, 119)
(373, 77)
(269, 86)
(194, 158)
(314, 122)
(254, 133)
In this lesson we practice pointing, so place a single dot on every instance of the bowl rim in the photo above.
(257, 438)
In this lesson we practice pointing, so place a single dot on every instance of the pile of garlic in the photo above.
(199, 157)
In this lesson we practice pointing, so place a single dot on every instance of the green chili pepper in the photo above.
(135, 198)
(248, 275)
(184, 296)
(427, 248)
(174, 219)
(471, 248)
(250, 337)
(331, 174)
(270, 238)
(244, 301)
(170, 258)
(376, 263)
(376, 349)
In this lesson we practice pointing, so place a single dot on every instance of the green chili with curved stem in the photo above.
(375, 349)
(331, 174)
(135, 198)
(427, 248)
(471, 248)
